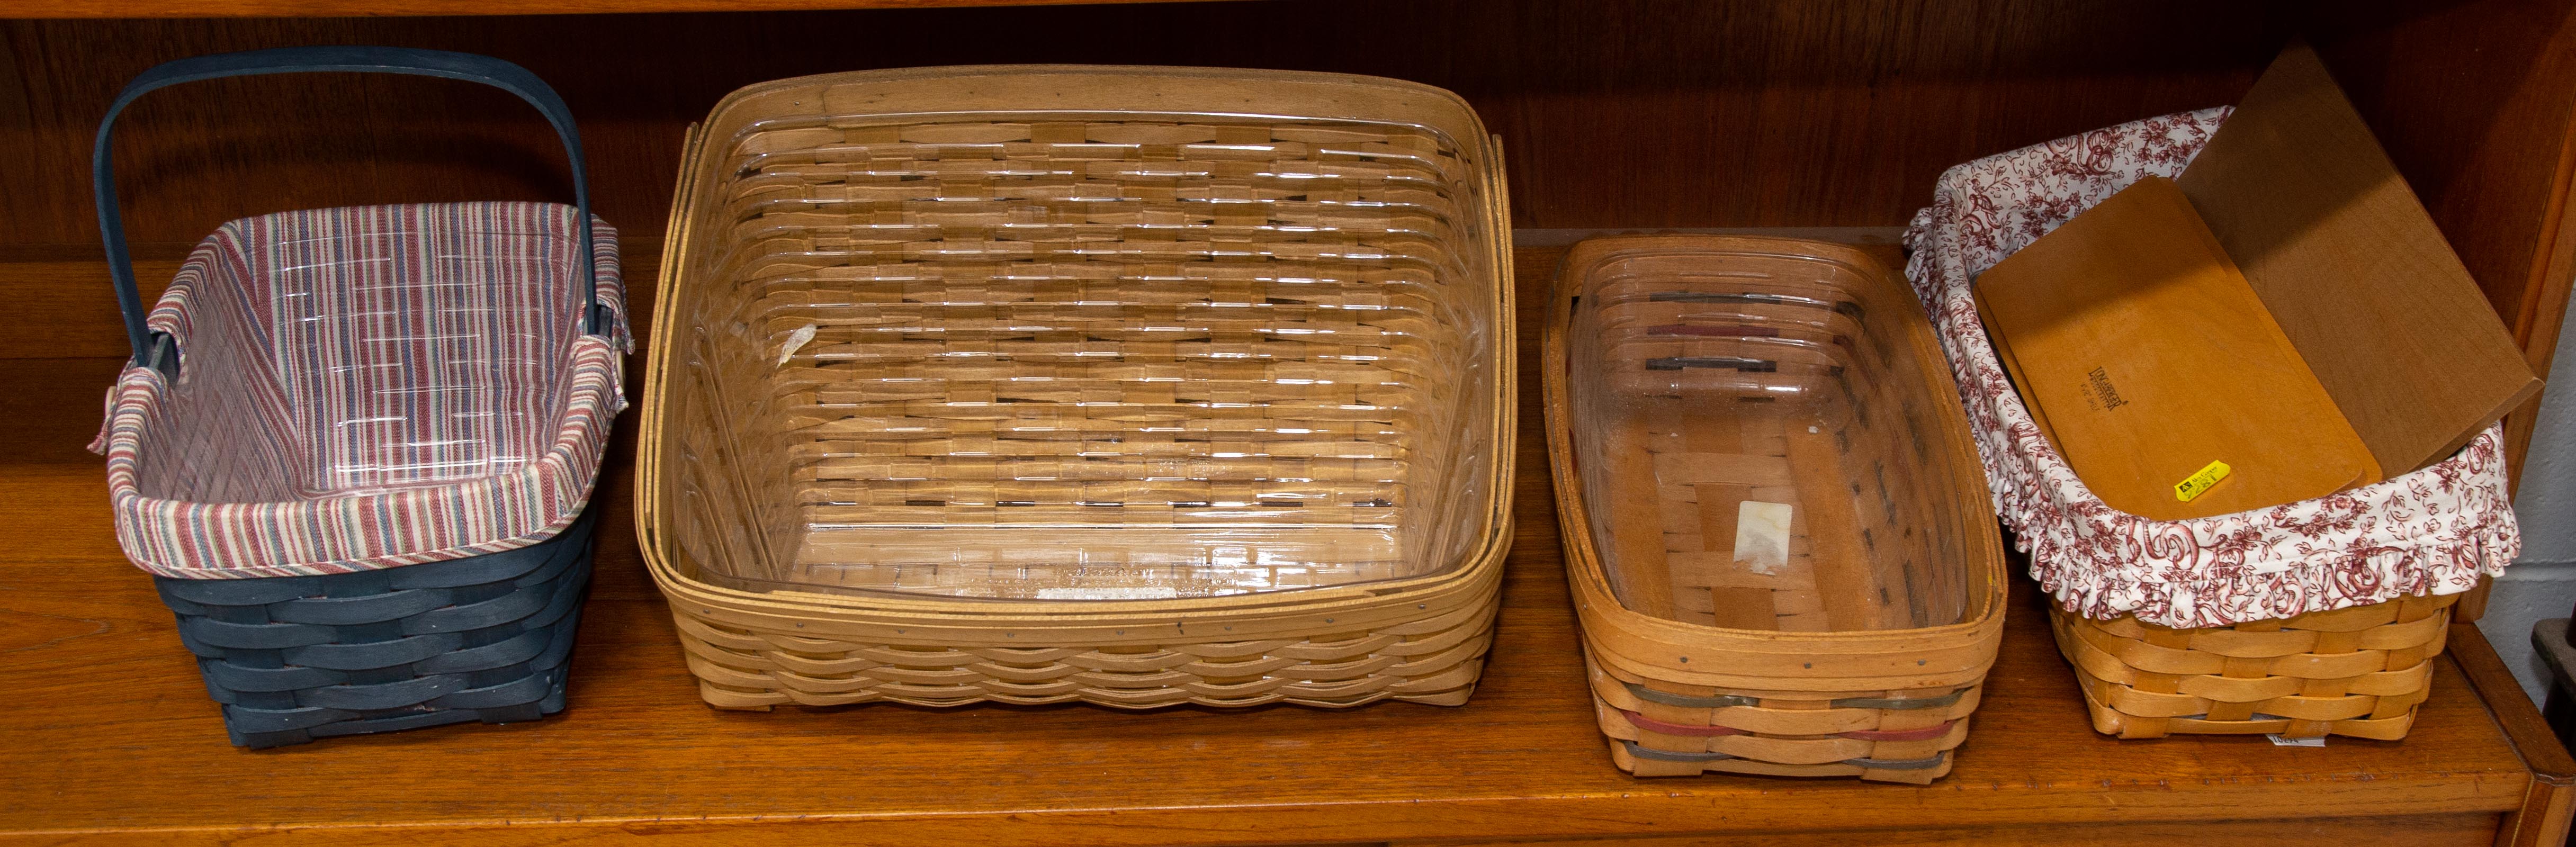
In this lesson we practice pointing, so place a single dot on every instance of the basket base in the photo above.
(1887, 736)
(1434, 659)
(2111, 721)
(1646, 747)
(484, 638)
(2358, 672)
(1447, 689)
(552, 701)
(1640, 761)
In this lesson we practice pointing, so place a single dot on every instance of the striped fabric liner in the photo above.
(367, 387)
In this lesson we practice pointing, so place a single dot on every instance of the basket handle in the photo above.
(151, 348)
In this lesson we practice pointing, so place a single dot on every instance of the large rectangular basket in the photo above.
(1129, 386)
(1700, 385)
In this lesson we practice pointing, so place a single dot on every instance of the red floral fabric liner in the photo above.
(2433, 531)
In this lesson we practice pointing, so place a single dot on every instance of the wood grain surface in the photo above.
(2419, 829)
(405, 8)
(110, 739)
(1614, 112)
(2475, 100)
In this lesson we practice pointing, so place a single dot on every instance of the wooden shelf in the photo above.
(407, 8)
(111, 738)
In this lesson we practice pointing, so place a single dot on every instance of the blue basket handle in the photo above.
(151, 348)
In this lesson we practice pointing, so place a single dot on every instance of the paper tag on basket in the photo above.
(1144, 592)
(2201, 481)
(2278, 741)
(1762, 536)
(795, 341)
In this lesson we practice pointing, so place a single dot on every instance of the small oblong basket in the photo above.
(1682, 373)
(935, 341)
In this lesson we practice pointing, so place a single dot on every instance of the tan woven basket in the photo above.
(1131, 386)
(2359, 671)
(1861, 652)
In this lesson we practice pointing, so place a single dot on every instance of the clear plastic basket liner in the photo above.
(1103, 356)
(1756, 428)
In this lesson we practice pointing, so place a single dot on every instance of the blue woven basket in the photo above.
(396, 536)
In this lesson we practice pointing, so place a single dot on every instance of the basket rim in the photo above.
(738, 97)
(871, 628)
(1479, 568)
(1600, 611)
(528, 505)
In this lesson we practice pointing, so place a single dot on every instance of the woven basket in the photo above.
(1046, 384)
(1699, 374)
(356, 446)
(2247, 636)
(2358, 671)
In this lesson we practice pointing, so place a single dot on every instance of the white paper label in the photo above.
(1762, 536)
(795, 341)
(2278, 741)
(1149, 592)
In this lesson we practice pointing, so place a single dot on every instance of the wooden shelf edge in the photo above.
(1645, 812)
(2523, 726)
(431, 8)
(2550, 806)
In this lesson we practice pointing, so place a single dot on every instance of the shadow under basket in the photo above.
(2358, 671)
(483, 638)
(1775, 529)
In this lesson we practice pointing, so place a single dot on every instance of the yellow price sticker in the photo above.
(2201, 481)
